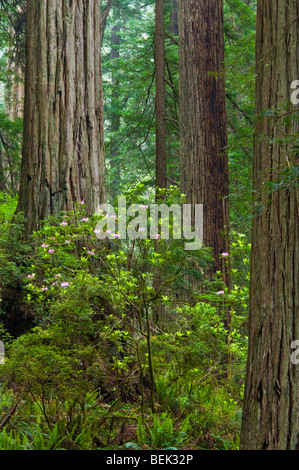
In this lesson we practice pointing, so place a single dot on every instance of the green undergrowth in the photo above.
(128, 345)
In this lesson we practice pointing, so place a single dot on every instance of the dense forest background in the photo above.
(140, 344)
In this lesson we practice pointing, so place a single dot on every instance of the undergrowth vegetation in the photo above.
(116, 352)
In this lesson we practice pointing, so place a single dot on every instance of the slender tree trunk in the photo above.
(63, 145)
(115, 106)
(161, 158)
(14, 96)
(161, 145)
(174, 18)
(15, 91)
(271, 402)
(2, 174)
(203, 126)
(14, 107)
(104, 16)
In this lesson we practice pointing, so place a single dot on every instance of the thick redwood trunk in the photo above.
(271, 402)
(63, 147)
(203, 127)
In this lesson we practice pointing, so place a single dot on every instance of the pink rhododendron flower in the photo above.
(116, 235)
(64, 284)
(63, 224)
(51, 251)
(220, 292)
(44, 245)
(224, 255)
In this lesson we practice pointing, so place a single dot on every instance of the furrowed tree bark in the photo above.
(161, 158)
(63, 144)
(271, 402)
(203, 122)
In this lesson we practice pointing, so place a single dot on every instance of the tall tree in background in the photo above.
(203, 126)
(271, 403)
(12, 44)
(115, 103)
(63, 144)
(161, 158)
(174, 18)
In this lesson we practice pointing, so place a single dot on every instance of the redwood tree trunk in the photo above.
(203, 126)
(161, 181)
(63, 146)
(115, 106)
(271, 402)
(174, 18)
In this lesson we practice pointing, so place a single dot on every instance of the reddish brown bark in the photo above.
(203, 127)
(271, 402)
(63, 145)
